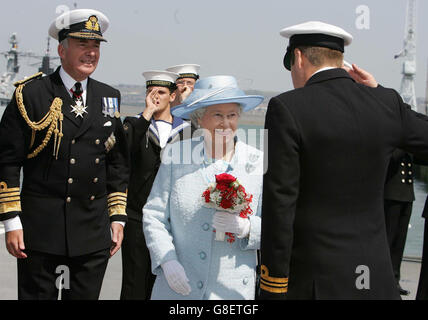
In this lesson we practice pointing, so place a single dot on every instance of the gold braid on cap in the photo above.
(51, 119)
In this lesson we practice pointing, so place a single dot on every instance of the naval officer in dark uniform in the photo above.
(330, 142)
(399, 196)
(147, 135)
(65, 132)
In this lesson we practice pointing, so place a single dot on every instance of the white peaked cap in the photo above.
(68, 21)
(183, 69)
(317, 27)
(315, 34)
(160, 78)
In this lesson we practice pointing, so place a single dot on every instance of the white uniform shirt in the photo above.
(69, 83)
(164, 129)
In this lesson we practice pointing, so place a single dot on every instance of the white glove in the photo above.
(233, 223)
(176, 277)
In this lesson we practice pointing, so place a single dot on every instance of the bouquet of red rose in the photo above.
(227, 194)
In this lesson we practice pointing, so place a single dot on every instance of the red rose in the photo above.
(225, 178)
(222, 186)
(226, 203)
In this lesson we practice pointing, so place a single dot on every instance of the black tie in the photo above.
(77, 97)
(77, 93)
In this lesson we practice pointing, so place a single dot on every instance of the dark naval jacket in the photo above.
(323, 226)
(399, 178)
(68, 199)
(145, 155)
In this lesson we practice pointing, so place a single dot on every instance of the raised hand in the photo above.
(152, 104)
(361, 76)
(184, 93)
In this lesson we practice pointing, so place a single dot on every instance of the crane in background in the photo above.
(407, 88)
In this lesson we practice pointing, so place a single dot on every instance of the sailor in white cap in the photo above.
(330, 142)
(188, 75)
(65, 131)
(147, 135)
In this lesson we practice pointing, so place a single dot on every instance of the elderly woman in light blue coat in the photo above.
(179, 229)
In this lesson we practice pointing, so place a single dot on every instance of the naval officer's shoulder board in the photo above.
(52, 120)
(28, 79)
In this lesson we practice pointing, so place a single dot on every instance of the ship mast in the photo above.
(407, 89)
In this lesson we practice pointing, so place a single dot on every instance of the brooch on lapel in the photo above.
(111, 107)
(109, 144)
(249, 168)
(253, 157)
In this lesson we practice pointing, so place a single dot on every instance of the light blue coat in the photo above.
(177, 225)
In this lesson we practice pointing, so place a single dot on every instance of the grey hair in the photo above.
(64, 43)
(198, 114)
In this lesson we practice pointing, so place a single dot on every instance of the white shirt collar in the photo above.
(69, 82)
(322, 69)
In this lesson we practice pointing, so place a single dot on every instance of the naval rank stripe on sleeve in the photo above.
(116, 198)
(10, 199)
(7, 196)
(272, 284)
(117, 203)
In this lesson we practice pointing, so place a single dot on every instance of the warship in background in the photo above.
(12, 69)
(8, 78)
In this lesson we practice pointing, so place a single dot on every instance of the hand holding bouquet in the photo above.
(227, 194)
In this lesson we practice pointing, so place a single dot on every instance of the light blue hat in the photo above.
(215, 90)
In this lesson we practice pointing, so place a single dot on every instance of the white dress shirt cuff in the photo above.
(12, 224)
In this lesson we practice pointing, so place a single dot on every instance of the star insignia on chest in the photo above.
(79, 109)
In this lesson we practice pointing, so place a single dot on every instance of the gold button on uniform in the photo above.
(72, 161)
(95, 180)
(97, 161)
(97, 141)
(68, 200)
(92, 198)
(403, 181)
(70, 181)
(73, 141)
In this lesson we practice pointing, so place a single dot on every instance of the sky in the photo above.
(233, 37)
